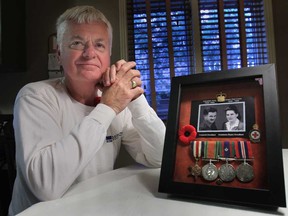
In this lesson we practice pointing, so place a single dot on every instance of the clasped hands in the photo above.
(120, 85)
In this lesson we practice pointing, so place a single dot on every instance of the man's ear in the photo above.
(58, 55)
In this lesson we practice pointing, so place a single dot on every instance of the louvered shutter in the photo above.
(232, 34)
(160, 41)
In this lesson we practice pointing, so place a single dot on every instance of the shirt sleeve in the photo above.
(48, 159)
(144, 134)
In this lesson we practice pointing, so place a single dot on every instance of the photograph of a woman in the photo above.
(233, 119)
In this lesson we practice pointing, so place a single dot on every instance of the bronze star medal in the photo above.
(195, 170)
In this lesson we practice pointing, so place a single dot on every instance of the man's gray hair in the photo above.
(81, 14)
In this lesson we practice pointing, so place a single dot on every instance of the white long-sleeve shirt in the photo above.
(60, 141)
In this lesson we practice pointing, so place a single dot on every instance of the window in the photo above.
(170, 38)
(232, 34)
(159, 39)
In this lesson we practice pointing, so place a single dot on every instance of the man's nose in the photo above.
(89, 51)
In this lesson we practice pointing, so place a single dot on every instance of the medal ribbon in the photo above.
(211, 149)
(196, 147)
(233, 153)
(244, 150)
(228, 149)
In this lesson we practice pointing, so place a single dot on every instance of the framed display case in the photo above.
(223, 139)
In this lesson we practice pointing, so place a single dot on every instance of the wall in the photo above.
(280, 9)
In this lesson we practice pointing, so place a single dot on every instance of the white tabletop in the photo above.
(134, 191)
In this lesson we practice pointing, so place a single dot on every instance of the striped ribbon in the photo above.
(197, 149)
(244, 150)
(227, 149)
(211, 149)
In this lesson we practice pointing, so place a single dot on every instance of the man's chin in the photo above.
(92, 76)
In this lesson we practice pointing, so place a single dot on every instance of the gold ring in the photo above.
(133, 84)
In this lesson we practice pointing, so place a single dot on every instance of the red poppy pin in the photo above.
(187, 134)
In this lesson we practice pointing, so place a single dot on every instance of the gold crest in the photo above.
(221, 97)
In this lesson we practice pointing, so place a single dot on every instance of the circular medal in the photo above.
(209, 172)
(227, 172)
(245, 172)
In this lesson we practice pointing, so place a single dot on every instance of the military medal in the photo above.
(196, 147)
(226, 171)
(244, 172)
(210, 171)
(195, 170)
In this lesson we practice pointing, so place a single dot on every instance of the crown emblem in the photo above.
(221, 97)
(255, 127)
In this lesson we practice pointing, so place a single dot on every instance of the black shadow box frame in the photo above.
(267, 188)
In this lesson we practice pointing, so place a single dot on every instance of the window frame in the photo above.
(198, 66)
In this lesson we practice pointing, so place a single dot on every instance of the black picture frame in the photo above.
(268, 189)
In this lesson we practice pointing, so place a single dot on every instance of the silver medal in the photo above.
(227, 172)
(245, 172)
(209, 172)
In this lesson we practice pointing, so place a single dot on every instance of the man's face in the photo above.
(211, 117)
(85, 51)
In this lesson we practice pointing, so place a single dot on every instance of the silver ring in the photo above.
(133, 84)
